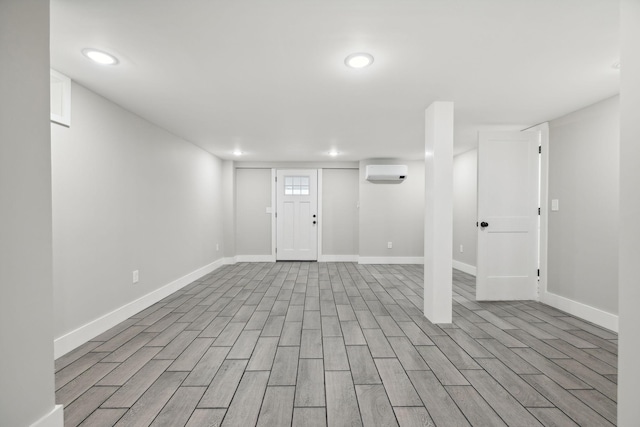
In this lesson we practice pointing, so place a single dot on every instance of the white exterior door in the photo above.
(508, 188)
(297, 215)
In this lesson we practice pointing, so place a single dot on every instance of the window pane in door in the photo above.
(296, 186)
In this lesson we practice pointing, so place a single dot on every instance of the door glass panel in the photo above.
(296, 186)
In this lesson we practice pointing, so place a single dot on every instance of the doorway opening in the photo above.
(511, 226)
(297, 215)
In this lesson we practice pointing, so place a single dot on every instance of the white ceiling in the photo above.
(268, 76)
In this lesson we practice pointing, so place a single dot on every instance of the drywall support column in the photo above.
(438, 220)
(629, 246)
(229, 209)
(26, 266)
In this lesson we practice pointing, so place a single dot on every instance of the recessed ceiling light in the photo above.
(616, 65)
(358, 60)
(100, 57)
(237, 153)
(333, 153)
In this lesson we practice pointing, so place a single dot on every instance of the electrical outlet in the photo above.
(136, 276)
(461, 248)
(389, 245)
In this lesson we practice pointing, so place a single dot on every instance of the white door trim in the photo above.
(320, 219)
(543, 129)
(274, 208)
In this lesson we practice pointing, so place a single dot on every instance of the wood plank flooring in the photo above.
(339, 344)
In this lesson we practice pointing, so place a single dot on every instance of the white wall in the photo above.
(26, 311)
(583, 233)
(253, 224)
(465, 208)
(629, 250)
(392, 213)
(340, 229)
(127, 196)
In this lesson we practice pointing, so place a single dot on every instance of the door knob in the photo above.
(484, 224)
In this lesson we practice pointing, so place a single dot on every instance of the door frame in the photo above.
(543, 129)
(543, 248)
(533, 284)
(274, 209)
(543, 178)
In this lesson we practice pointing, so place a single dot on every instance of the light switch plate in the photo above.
(555, 206)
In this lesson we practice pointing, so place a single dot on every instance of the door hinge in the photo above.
(276, 179)
(538, 211)
(539, 149)
(276, 214)
(538, 272)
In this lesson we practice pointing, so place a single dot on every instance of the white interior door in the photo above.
(507, 216)
(297, 215)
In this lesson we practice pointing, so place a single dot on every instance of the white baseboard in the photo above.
(391, 260)
(84, 333)
(466, 268)
(586, 312)
(229, 260)
(255, 258)
(332, 258)
(338, 258)
(55, 418)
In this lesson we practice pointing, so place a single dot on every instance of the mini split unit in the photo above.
(386, 173)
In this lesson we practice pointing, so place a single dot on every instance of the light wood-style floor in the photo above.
(339, 344)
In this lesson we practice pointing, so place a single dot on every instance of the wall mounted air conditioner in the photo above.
(386, 172)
